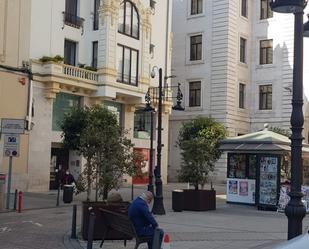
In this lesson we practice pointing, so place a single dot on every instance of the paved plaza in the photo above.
(227, 227)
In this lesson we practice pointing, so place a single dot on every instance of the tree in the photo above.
(199, 143)
(95, 134)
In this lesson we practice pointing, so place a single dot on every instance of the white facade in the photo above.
(47, 32)
(220, 70)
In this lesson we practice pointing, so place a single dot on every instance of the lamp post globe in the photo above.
(287, 6)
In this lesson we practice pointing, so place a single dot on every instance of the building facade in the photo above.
(81, 53)
(237, 67)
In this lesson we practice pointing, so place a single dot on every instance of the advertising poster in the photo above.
(233, 187)
(285, 198)
(243, 188)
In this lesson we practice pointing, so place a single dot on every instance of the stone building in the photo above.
(234, 59)
(108, 47)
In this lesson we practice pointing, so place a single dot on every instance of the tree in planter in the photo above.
(199, 143)
(94, 132)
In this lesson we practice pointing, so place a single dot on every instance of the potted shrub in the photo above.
(199, 143)
(95, 134)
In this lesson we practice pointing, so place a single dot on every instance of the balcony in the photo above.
(73, 21)
(57, 76)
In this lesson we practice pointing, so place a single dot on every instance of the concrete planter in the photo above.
(199, 200)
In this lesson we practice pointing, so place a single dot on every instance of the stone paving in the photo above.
(228, 227)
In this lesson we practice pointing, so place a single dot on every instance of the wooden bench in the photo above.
(121, 223)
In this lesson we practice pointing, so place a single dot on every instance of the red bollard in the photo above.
(20, 201)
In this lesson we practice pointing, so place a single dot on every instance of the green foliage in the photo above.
(280, 131)
(95, 133)
(199, 143)
(57, 58)
(90, 68)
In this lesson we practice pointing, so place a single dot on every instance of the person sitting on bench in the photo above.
(143, 221)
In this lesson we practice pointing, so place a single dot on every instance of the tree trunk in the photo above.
(88, 178)
(105, 192)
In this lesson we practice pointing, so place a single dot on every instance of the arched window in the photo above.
(128, 23)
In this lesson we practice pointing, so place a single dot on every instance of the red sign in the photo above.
(2, 177)
(145, 170)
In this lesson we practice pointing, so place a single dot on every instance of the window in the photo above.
(195, 47)
(266, 52)
(196, 7)
(266, 97)
(244, 8)
(96, 15)
(194, 93)
(242, 166)
(94, 62)
(62, 105)
(142, 125)
(70, 14)
(115, 108)
(127, 65)
(266, 11)
(242, 95)
(128, 20)
(242, 49)
(70, 52)
(71, 7)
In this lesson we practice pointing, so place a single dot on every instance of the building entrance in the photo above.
(59, 162)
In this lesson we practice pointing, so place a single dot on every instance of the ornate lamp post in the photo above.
(295, 210)
(158, 206)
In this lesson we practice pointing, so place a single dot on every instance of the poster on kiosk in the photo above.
(269, 181)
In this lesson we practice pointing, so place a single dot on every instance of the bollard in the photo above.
(90, 229)
(15, 199)
(20, 201)
(73, 234)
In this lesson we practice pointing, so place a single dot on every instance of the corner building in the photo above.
(109, 48)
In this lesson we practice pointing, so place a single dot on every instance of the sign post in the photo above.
(11, 128)
(9, 184)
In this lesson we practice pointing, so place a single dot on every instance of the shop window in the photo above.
(142, 124)
(252, 166)
(62, 105)
(115, 108)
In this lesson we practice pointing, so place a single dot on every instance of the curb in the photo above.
(71, 243)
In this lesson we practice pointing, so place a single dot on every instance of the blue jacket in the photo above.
(141, 217)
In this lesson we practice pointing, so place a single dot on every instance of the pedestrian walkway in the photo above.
(227, 227)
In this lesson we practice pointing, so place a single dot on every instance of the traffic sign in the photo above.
(12, 126)
(11, 145)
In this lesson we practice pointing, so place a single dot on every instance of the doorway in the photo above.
(59, 162)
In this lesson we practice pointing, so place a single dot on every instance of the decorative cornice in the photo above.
(51, 90)
(109, 8)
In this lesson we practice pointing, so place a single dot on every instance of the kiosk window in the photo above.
(237, 166)
(252, 166)
(242, 166)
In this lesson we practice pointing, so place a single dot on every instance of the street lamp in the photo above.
(295, 210)
(158, 206)
(151, 110)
